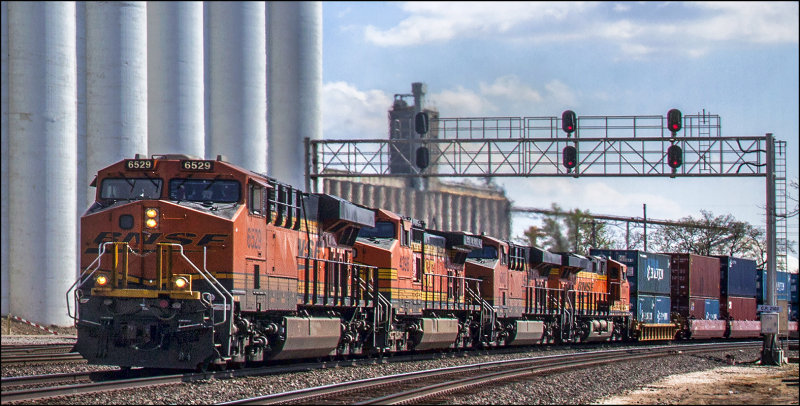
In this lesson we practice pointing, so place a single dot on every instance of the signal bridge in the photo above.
(598, 146)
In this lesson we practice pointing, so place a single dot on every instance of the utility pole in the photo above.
(771, 353)
(644, 213)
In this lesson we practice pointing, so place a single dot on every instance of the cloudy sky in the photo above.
(738, 60)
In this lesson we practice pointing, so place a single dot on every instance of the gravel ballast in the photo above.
(571, 387)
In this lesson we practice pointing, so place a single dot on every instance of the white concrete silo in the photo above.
(294, 85)
(236, 83)
(4, 269)
(42, 154)
(175, 89)
(116, 83)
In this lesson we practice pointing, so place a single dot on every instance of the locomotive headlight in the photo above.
(101, 280)
(152, 217)
(181, 282)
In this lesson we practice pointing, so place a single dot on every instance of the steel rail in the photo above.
(38, 348)
(487, 372)
(50, 358)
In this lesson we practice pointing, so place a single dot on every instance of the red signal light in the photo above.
(674, 118)
(569, 156)
(674, 156)
(568, 121)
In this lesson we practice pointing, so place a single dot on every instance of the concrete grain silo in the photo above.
(4, 270)
(42, 90)
(294, 85)
(116, 83)
(175, 122)
(236, 83)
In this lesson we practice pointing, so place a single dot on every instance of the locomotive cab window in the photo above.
(487, 252)
(204, 190)
(382, 229)
(130, 188)
(256, 199)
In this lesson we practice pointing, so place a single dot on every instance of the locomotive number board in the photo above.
(140, 164)
(197, 166)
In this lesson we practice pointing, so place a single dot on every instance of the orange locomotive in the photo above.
(189, 262)
(421, 277)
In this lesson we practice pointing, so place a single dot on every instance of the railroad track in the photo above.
(42, 358)
(116, 379)
(38, 353)
(14, 350)
(421, 385)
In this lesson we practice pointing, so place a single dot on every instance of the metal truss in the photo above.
(608, 146)
(619, 146)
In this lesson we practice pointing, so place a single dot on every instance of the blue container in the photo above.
(645, 309)
(661, 309)
(737, 277)
(652, 309)
(712, 309)
(782, 286)
(648, 273)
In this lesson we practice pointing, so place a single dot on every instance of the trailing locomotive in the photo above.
(188, 263)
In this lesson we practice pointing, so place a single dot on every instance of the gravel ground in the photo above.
(573, 387)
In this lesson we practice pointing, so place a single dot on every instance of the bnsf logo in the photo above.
(136, 238)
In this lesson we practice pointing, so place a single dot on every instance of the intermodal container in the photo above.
(662, 308)
(644, 309)
(737, 276)
(695, 308)
(648, 273)
(738, 308)
(711, 309)
(652, 309)
(694, 275)
(782, 286)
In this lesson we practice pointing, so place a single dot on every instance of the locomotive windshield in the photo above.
(382, 229)
(487, 252)
(204, 190)
(130, 188)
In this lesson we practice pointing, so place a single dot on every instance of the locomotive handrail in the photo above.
(101, 249)
(212, 281)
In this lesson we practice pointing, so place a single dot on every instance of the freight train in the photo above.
(190, 263)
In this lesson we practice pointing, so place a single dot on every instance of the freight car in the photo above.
(188, 263)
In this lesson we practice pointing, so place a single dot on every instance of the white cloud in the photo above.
(630, 25)
(460, 102)
(350, 113)
(443, 21)
(511, 87)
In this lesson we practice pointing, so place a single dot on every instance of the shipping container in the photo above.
(695, 308)
(662, 309)
(644, 309)
(648, 273)
(652, 309)
(737, 276)
(782, 286)
(694, 275)
(738, 308)
(711, 309)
